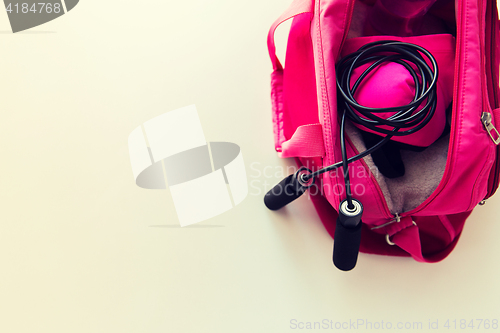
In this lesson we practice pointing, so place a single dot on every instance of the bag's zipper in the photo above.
(447, 172)
(451, 153)
(492, 131)
(396, 219)
(485, 116)
(492, 40)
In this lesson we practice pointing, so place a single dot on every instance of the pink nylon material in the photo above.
(392, 85)
(297, 7)
(307, 141)
(292, 93)
(471, 154)
(277, 105)
(299, 86)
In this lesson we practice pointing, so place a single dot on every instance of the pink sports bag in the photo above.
(414, 200)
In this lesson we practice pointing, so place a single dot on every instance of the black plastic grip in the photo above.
(347, 236)
(346, 246)
(284, 192)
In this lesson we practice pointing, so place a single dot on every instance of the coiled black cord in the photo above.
(406, 120)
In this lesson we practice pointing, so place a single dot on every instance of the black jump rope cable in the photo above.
(406, 120)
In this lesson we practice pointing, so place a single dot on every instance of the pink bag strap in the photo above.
(307, 141)
(408, 239)
(404, 235)
(297, 7)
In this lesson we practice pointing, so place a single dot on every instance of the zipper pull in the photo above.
(486, 120)
(396, 219)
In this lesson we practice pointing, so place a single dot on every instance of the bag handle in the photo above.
(296, 8)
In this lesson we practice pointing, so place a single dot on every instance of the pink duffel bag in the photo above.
(422, 213)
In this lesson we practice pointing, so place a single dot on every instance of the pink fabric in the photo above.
(493, 181)
(307, 141)
(418, 241)
(277, 107)
(299, 84)
(391, 84)
(410, 240)
(471, 154)
(297, 7)
(294, 90)
(464, 181)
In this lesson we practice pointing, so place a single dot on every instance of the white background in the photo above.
(83, 249)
